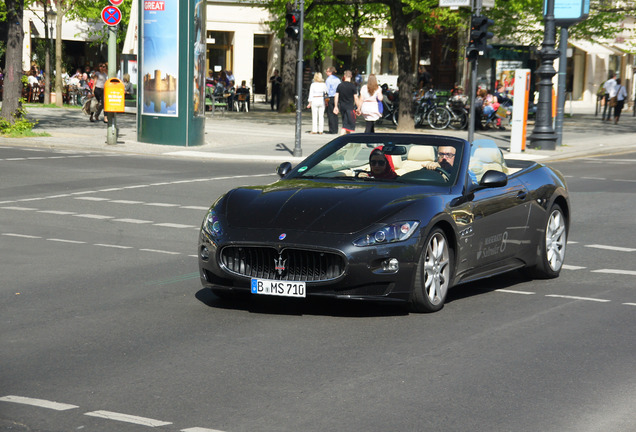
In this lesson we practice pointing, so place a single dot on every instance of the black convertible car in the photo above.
(393, 217)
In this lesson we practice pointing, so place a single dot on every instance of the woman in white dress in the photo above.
(370, 96)
(316, 102)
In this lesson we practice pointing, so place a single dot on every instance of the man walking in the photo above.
(346, 102)
(332, 83)
(610, 91)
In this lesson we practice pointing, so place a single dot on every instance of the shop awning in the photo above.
(594, 48)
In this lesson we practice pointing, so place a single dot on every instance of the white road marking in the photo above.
(615, 271)
(134, 221)
(93, 216)
(198, 429)
(614, 248)
(57, 212)
(593, 178)
(66, 241)
(21, 236)
(572, 267)
(91, 198)
(38, 402)
(195, 208)
(156, 204)
(126, 202)
(113, 246)
(629, 304)
(19, 208)
(160, 251)
(578, 298)
(515, 292)
(174, 225)
(127, 418)
(624, 180)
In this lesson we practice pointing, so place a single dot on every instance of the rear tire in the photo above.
(433, 275)
(552, 247)
(438, 118)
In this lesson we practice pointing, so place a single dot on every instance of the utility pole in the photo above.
(298, 152)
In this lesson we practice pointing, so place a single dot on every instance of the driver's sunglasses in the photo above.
(377, 162)
(448, 155)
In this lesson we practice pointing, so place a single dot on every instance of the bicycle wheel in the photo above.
(459, 119)
(439, 118)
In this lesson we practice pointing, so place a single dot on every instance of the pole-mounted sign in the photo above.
(116, 2)
(111, 15)
(568, 12)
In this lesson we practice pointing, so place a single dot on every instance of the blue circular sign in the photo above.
(111, 15)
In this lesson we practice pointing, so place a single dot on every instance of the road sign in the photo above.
(116, 2)
(111, 15)
(454, 3)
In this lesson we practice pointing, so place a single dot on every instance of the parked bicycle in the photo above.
(389, 105)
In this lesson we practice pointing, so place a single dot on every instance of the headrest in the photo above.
(487, 155)
(421, 153)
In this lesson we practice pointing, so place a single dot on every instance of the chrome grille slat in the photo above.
(300, 265)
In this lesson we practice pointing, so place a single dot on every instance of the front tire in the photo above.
(552, 247)
(433, 275)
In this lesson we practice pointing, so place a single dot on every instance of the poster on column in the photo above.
(198, 88)
(160, 58)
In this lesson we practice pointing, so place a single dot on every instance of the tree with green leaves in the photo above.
(12, 87)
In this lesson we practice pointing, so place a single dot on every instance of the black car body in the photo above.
(327, 228)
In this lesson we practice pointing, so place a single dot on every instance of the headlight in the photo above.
(392, 233)
(212, 225)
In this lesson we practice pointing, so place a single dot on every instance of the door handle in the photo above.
(522, 195)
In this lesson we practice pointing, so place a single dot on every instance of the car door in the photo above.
(500, 224)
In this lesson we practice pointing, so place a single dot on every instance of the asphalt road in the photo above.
(104, 325)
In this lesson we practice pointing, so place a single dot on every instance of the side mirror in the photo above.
(492, 179)
(284, 169)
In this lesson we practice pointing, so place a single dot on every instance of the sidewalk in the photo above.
(264, 135)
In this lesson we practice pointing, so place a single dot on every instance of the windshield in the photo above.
(417, 160)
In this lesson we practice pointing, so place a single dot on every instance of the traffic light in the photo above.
(479, 35)
(293, 24)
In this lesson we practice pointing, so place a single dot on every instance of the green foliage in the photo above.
(90, 11)
(20, 126)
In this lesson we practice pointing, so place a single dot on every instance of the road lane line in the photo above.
(615, 271)
(572, 267)
(156, 204)
(57, 212)
(21, 235)
(199, 429)
(613, 248)
(126, 202)
(18, 208)
(629, 304)
(160, 251)
(174, 225)
(113, 246)
(578, 298)
(42, 403)
(134, 221)
(91, 198)
(127, 418)
(93, 216)
(66, 241)
(515, 292)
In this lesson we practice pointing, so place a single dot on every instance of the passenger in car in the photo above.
(380, 165)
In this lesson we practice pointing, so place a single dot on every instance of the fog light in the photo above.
(205, 254)
(390, 265)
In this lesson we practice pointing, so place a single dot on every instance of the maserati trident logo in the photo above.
(279, 265)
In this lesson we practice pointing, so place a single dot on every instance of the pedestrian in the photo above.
(100, 81)
(275, 82)
(332, 82)
(368, 103)
(609, 86)
(424, 79)
(621, 96)
(346, 102)
(316, 101)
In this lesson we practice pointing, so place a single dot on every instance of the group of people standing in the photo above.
(343, 98)
(614, 98)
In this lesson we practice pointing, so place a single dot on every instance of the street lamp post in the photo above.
(543, 135)
(48, 34)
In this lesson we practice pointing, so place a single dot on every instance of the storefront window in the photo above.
(219, 50)
(389, 58)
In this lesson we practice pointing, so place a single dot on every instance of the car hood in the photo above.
(314, 206)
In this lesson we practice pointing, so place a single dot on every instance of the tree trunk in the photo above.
(61, 11)
(13, 64)
(288, 88)
(406, 75)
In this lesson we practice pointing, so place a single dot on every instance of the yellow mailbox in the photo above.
(114, 95)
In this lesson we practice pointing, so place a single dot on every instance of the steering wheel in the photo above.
(358, 172)
(444, 173)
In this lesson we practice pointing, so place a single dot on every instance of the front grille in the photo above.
(289, 264)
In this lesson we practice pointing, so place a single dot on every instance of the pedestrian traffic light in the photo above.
(293, 24)
(479, 35)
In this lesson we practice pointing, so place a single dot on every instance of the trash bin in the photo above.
(114, 96)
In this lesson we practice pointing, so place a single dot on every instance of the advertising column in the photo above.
(171, 78)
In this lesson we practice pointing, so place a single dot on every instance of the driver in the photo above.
(445, 159)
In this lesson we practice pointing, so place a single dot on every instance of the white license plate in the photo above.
(278, 288)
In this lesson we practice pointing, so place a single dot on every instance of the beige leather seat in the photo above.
(485, 159)
(416, 157)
